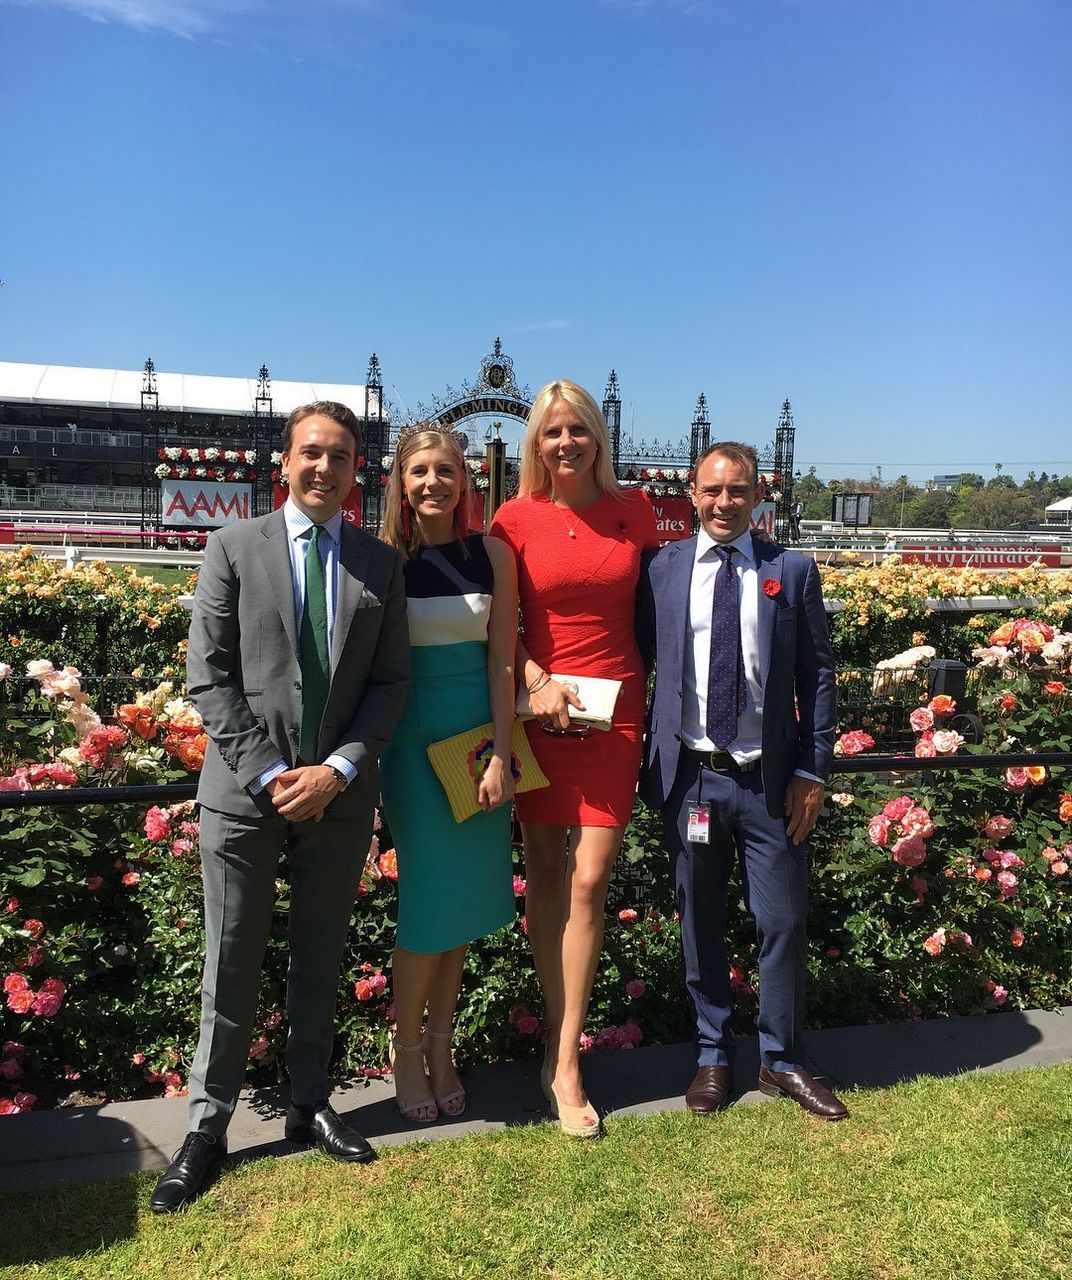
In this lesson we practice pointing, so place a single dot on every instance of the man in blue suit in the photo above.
(739, 744)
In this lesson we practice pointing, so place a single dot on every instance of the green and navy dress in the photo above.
(455, 880)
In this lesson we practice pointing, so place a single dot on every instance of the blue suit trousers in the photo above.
(774, 879)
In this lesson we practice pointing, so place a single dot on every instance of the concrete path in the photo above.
(82, 1144)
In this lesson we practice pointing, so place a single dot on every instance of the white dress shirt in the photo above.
(748, 743)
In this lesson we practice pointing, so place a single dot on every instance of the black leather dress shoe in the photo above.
(320, 1127)
(189, 1172)
(805, 1090)
(709, 1091)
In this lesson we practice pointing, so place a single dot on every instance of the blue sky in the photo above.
(861, 205)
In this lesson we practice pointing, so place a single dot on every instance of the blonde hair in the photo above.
(411, 440)
(534, 477)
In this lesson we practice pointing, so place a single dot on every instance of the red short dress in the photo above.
(577, 582)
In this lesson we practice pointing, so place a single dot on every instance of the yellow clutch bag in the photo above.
(459, 763)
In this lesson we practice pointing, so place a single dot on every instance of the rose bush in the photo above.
(931, 894)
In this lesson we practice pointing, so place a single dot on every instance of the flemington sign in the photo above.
(203, 504)
(981, 555)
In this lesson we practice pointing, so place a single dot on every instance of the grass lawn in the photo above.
(962, 1179)
(170, 576)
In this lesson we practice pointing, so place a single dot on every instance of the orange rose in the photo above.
(1064, 808)
(1031, 640)
(942, 705)
(1055, 687)
(139, 720)
(1003, 634)
(1037, 774)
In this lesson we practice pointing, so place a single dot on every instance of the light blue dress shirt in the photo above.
(298, 533)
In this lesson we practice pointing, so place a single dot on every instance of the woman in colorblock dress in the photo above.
(577, 538)
(455, 880)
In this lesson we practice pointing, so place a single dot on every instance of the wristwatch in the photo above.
(341, 777)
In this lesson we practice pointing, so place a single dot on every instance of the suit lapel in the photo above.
(353, 570)
(679, 583)
(275, 557)
(768, 569)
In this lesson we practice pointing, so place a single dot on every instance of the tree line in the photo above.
(971, 503)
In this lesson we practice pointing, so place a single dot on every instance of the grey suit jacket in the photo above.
(795, 661)
(244, 672)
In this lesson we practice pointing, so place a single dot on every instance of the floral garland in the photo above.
(178, 472)
(180, 453)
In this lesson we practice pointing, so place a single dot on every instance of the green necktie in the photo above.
(315, 663)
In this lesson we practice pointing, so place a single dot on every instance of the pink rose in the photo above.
(909, 851)
(896, 809)
(1016, 937)
(853, 743)
(998, 827)
(628, 916)
(917, 822)
(47, 1003)
(934, 944)
(997, 992)
(947, 742)
(1017, 779)
(1011, 861)
(378, 983)
(921, 719)
(878, 830)
(137, 1059)
(10, 1069)
(20, 1001)
(15, 982)
(25, 1101)
(1059, 868)
(259, 1048)
(919, 887)
(93, 883)
(157, 826)
(528, 1024)
(520, 887)
(363, 989)
(635, 988)
(12, 1049)
(1009, 884)
(925, 747)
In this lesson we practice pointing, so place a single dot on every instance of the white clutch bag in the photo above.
(599, 697)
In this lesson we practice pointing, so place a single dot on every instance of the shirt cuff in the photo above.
(346, 767)
(257, 787)
(800, 773)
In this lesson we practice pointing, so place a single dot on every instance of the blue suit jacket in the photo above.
(795, 661)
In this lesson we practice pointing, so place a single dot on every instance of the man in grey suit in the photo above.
(739, 743)
(299, 664)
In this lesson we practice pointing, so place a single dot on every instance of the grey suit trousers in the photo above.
(240, 858)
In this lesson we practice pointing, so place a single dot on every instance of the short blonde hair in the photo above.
(534, 477)
(411, 440)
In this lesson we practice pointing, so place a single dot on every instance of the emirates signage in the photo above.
(203, 504)
(960, 555)
(673, 518)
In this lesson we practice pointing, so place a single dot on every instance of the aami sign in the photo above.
(202, 503)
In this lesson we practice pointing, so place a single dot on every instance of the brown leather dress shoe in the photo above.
(709, 1090)
(805, 1090)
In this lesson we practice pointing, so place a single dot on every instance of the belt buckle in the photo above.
(720, 768)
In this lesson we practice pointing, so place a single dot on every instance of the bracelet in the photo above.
(542, 679)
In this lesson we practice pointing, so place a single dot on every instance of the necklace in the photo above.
(562, 508)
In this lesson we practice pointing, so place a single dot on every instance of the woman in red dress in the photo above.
(578, 539)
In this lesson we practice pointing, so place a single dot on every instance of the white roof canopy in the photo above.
(182, 392)
(1063, 504)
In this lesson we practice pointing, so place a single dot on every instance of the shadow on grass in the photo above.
(49, 1223)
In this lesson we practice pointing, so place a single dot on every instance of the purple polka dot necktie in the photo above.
(725, 679)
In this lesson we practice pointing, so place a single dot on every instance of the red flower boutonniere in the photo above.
(772, 587)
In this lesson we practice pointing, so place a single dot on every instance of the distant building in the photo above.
(946, 482)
